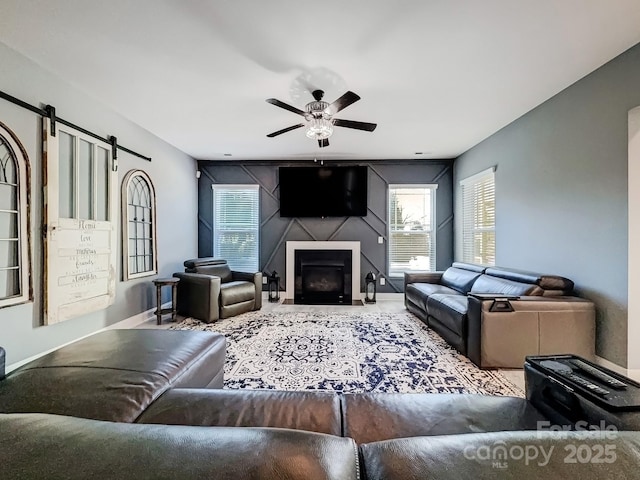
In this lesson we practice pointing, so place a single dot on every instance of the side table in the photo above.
(159, 283)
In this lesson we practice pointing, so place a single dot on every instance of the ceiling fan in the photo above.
(319, 116)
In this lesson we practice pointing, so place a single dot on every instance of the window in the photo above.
(83, 176)
(138, 226)
(236, 223)
(479, 218)
(14, 243)
(412, 242)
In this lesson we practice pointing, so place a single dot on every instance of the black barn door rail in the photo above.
(50, 112)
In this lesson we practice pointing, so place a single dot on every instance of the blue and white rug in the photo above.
(345, 352)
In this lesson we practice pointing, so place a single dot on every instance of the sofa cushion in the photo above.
(209, 266)
(372, 417)
(503, 286)
(450, 310)
(472, 267)
(194, 263)
(55, 447)
(421, 276)
(236, 292)
(76, 391)
(547, 282)
(113, 375)
(496, 455)
(312, 411)
(459, 279)
(419, 292)
(222, 271)
(163, 352)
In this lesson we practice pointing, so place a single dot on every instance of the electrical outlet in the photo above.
(380, 240)
(383, 281)
(264, 280)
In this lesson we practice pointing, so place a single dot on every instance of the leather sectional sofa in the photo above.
(497, 316)
(114, 375)
(137, 419)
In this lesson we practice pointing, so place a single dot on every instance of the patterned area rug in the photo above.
(345, 352)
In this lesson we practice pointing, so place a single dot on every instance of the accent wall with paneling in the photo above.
(275, 230)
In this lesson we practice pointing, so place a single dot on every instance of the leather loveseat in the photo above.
(497, 316)
(195, 433)
(209, 290)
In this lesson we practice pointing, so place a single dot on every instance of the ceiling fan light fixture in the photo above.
(316, 107)
(319, 128)
(319, 117)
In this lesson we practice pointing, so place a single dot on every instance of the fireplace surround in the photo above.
(331, 271)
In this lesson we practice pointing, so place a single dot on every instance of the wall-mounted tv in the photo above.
(323, 191)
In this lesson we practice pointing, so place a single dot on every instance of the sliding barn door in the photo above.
(80, 217)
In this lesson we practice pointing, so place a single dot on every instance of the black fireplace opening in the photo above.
(323, 277)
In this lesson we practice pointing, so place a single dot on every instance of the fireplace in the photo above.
(323, 277)
(351, 271)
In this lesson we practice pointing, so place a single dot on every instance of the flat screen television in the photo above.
(323, 191)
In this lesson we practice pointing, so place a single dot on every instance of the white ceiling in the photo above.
(437, 76)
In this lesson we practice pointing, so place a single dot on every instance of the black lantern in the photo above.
(370, 288)
(274, 287)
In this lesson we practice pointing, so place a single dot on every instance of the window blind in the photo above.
(412, 244)
(479, 218)
(236, 223)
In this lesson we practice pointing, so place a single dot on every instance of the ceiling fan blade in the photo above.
(285, 130)
(343, 102)
(369, 127)
(278, 103)
(323, 143)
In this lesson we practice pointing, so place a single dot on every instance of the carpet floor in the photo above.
(345, 352)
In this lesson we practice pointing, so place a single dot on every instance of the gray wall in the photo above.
(275, 231)
(171, 171)
(561, 191)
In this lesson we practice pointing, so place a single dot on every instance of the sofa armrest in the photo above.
(422, 277)
(256, 279)
(489, 455)
(198, 296)
(55, 446)
(536, 326)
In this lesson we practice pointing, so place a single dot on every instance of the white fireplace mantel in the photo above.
(292, 246)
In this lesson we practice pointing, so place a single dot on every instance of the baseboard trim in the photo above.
(130, 322)
(136, 320)
(389, 296)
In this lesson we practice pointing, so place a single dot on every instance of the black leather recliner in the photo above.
(210, 290)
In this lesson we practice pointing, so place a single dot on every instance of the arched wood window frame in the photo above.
(138, 182)
(13, 154)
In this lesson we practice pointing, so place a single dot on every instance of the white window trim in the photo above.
(126, 275)
(231, 186)
(24, 215)
(434, 187)
(478, 177)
